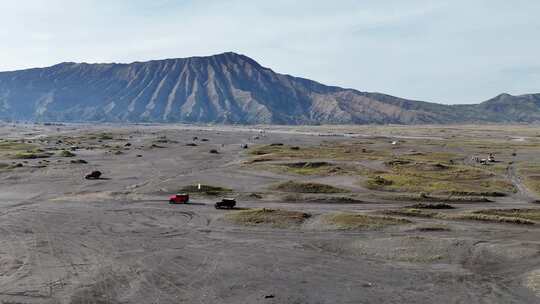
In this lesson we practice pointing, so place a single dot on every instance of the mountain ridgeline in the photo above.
(225, 88)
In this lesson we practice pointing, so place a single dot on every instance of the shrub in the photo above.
(66, 153)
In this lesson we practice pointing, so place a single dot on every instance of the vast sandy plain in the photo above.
(341, 214)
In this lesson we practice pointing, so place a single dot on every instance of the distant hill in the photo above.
(508, 108)
(225, 88)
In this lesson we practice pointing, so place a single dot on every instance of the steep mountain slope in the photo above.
(225, 88)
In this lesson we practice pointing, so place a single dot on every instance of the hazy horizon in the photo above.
(453, 53)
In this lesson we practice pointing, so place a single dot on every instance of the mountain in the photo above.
(508, 108)
(224, 88)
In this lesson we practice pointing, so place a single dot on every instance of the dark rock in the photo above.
(79, 161)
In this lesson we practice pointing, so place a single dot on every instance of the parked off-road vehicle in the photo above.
(226, 203)
(179, 198)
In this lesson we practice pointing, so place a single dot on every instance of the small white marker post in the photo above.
(199, 186)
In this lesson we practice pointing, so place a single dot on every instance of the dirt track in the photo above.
(68, 240)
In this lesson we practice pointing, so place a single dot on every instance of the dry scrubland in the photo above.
(326, 214)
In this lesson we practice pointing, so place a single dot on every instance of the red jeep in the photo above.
(179, 198)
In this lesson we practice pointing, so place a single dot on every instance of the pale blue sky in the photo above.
(454, 51)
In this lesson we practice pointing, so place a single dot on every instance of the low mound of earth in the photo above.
(349, 221)
(307, 165)
(272, 217)
(527, 214)
(307, 187)
(205, 189)
(437, 178)
(314, 168)
(509, 216)
(298, 198)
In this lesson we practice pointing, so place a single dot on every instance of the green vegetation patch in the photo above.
(528, 214)
(317, 199)
(273, 217)
(437, 170)
(351, 221)
(494, 145)
(81, 138)
(423, 197)
(488, 193)
(435, 158)
(307, 187)
(281, 151)
(442, 178)
(313, 168)
(10, 145)
(205, 189)
(31, 155)
(491, 218)
(510, 216)
(330, 150)
(307, 168)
